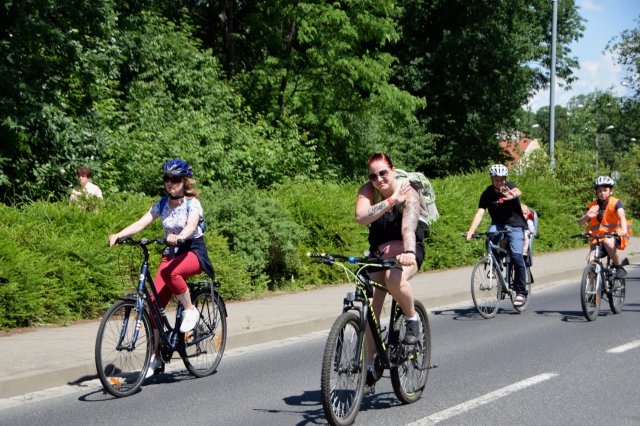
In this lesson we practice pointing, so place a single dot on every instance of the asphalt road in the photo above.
(545, 366)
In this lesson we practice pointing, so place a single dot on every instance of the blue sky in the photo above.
(605, 19)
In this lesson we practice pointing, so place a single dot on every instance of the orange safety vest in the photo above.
(610, 222)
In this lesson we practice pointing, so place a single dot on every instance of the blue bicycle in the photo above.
(125, 338)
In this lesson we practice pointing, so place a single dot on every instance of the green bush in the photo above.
(55, 265)
(258, 230)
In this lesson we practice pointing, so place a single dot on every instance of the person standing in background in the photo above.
(87, 187)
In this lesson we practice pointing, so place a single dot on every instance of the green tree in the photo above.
(58, 61)
(178, 103)
(476, 63)
(626, 48)
(320, 65)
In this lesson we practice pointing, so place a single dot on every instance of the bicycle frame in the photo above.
(494, 252)
(594, 257)
(168, 334)
(364, 289)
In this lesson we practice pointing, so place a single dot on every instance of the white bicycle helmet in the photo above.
(603, 181)
(498, 170)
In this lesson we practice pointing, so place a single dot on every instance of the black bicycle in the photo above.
(124, 343)
(343, 364)
(493, 275)
(599, 280)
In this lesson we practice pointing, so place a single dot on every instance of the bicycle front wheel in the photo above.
(343, 378)
(590, 296)
(485, 288)
(616, 298)
(205, 344)
(410, 371)
(121, 361)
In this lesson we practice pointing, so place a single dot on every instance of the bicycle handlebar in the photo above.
(143, 242)
(486, 234)
(330, 259)
(590, 236)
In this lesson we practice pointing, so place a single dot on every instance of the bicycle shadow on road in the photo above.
(314, 413)
(570, 316)
(468, 314)
(101, 395)
(310, 400)
(379, 401)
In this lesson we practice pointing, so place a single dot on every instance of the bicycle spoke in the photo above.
(342, 384)
(485, 288)
(121, 362)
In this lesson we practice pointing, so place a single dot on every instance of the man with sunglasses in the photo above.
(606, 214)
(391, 208)
(502, 199)
(186, 253)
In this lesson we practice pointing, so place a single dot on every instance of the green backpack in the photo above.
(419, 182)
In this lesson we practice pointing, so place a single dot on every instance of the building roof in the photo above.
(514, 150)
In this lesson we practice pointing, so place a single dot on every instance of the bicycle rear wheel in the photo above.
(616, 298)
(411, 368)
(122, 362)
(485, 288)
(343, 378)
(205, 344)
(590, 296)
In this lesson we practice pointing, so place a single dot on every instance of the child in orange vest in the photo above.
(604, 215)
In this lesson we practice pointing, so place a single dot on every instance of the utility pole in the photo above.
(552, 100)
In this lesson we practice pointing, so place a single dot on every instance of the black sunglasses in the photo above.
(172, 179)
(381, 173)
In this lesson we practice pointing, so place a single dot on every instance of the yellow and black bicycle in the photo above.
(343, 365)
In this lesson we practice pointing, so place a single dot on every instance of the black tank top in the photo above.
(389, 228)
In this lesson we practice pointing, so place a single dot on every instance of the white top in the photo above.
(174, 219)
(89, 189)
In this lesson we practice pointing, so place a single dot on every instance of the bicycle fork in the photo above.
(597, 270)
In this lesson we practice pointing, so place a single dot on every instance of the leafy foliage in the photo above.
(626, 47)
(55, 266)
(476, 63)
(259, 231)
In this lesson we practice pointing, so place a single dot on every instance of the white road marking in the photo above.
(482, 400)
(624, 348)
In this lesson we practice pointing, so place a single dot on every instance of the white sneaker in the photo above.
(190, 318)
(153, 364)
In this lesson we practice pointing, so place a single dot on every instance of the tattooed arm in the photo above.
(410, 216)
(367, 212)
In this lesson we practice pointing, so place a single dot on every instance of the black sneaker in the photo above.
(412, 328)
(620, 272)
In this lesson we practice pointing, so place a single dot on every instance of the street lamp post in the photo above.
(552, 100)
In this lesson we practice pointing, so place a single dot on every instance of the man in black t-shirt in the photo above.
(501, 198)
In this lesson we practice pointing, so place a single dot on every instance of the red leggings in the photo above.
(171, 275)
